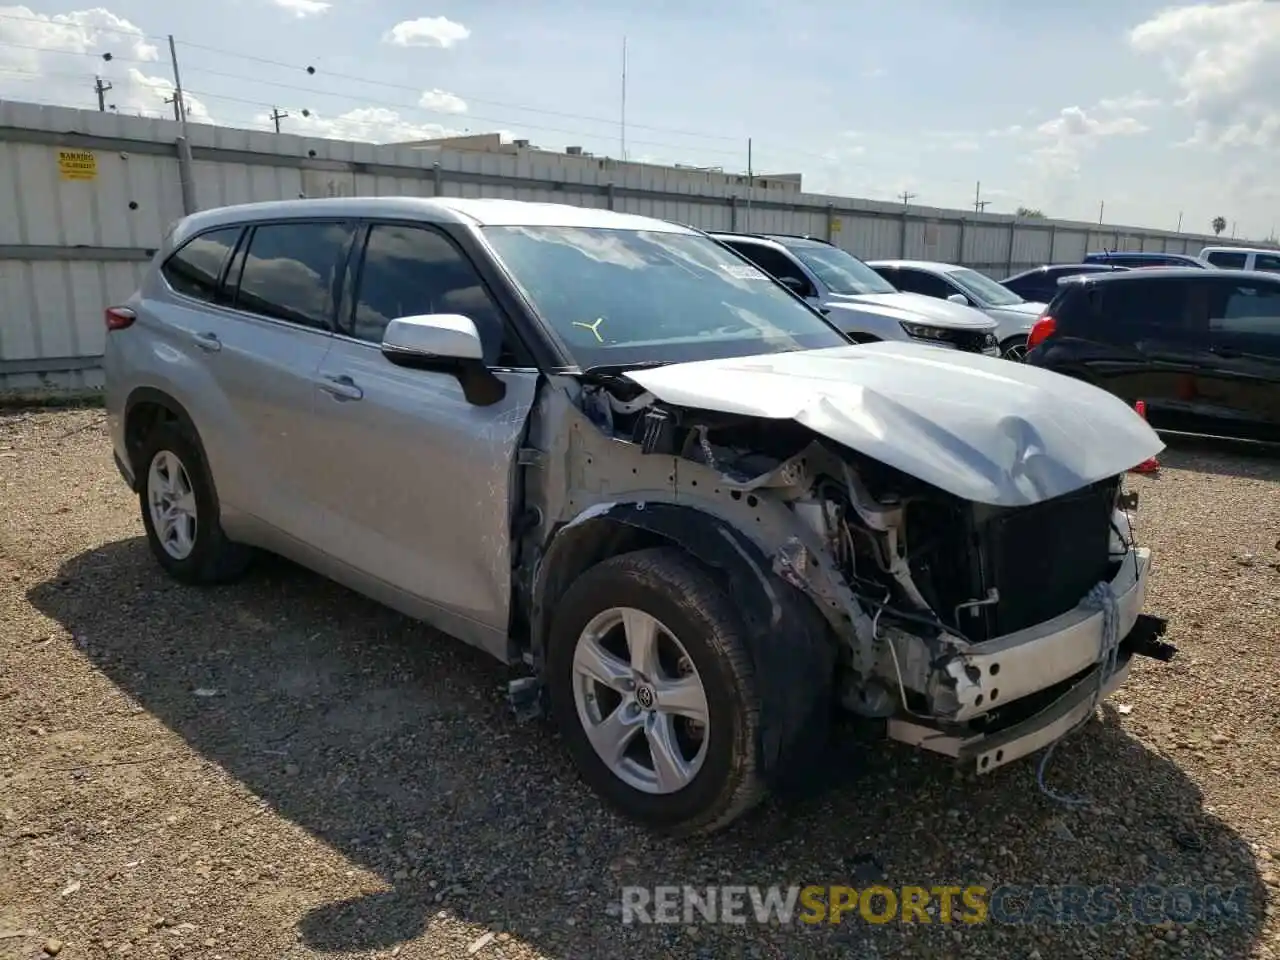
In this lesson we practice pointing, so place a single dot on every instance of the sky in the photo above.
(1143, 113)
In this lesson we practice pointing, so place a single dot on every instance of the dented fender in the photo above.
(790, 645)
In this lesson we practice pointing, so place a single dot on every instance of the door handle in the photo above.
(341, 388)
(1225, 354)
(207, 342)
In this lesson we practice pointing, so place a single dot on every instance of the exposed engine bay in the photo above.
(924, 581)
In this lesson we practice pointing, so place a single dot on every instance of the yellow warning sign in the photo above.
(77, 165)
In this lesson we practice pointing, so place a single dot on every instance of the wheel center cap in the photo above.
(645, 696)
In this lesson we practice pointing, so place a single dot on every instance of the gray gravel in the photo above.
(283, 769)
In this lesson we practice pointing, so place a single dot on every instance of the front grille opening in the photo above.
(1041, 559)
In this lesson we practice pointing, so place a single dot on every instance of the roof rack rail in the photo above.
(775, 236)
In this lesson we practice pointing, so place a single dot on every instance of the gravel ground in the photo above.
(283, 769)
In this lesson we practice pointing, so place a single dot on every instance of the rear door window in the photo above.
(1228, 261)
(917, 281)
(1168, 311)
(293, 271)
(776, 263)
(1245, 318)
(1267, 262)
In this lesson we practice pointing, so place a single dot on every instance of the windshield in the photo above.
(841, 271)
(984, 289)
(619, 297)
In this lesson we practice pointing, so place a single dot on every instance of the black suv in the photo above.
(1201, 347)
(1040, 285)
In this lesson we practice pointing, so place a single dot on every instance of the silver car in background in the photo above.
(608, 449)
(947, 281)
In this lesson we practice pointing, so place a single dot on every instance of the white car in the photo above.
(1242, 258)
(859, 301)
(961, 285)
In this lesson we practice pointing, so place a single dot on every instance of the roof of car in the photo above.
(478, 212)
(1171, 273)
(933, 265)
(1205, 250)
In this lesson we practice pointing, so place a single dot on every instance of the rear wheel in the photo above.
(652, 688)
(180, 511)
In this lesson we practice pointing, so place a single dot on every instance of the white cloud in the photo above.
(1225, 58)
(303, 8)
(1063, 141)
(34, 65)
(440, 101)
(366, 124)
(1129, 103)
(427, 32)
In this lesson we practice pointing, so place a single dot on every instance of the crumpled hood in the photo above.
(981, 428)
(913, 308)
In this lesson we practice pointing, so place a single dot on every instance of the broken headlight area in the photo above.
(928, 596)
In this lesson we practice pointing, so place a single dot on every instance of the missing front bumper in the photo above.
(985, 751)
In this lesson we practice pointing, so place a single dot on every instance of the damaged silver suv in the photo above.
(609, 448)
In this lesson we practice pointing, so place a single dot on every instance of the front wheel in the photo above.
(652, 688)
(1015, 349)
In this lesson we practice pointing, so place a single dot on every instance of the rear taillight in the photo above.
(117, 318)
(1043, 329)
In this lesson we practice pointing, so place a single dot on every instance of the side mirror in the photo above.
(794, 284)
(959, 298)
(446, 343)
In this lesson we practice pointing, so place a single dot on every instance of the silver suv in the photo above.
(603, 446)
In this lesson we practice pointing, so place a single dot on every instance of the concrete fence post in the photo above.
(960, 244)
(437, 179)
(186, 175)
(733, 214)
(608, 192)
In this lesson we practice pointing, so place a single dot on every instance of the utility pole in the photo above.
(276, 117)
(751, 186)
(101, 89)
(1179, 230)
(1233, 229)
(623, 126)
(177, 86)
(174, 101)
(979, 205)
(1102, 205)
(906, 197)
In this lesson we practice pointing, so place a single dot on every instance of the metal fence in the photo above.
(85, 197)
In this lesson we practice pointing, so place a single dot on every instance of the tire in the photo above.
(1015, 349)
(669, 586)
(211, 557)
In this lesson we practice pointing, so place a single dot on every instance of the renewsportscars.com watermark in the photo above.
(1008, 904)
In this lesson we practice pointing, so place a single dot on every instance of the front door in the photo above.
(418, 490)
(1244, 340)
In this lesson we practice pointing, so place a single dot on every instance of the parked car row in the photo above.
(1200, 347)
(616, 451)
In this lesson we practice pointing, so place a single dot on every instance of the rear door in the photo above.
(284, 286)
(417, 485)
(1153, 340)
(1244, 337)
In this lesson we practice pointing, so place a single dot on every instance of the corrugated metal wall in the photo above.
(86, 196)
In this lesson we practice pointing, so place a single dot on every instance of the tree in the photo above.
(1027, 213)
(1219, 224)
